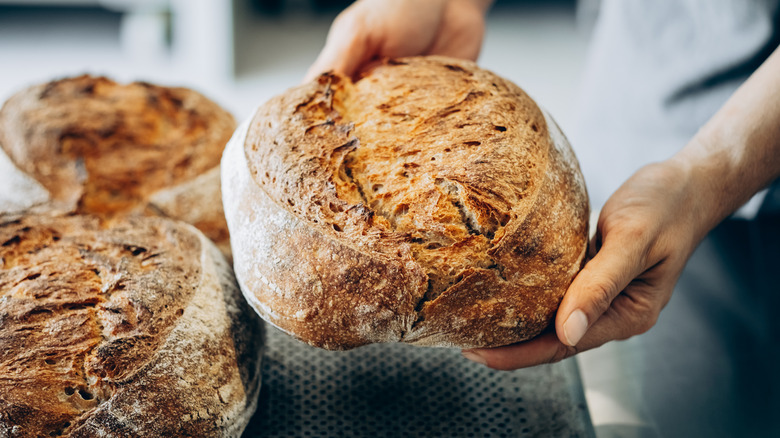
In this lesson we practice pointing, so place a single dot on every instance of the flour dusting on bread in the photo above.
(429, 202)
(130, 328)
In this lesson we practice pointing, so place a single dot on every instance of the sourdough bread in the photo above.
(129, 329)
(107, 149)
(430, 202)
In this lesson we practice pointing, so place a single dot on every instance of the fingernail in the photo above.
(474, 357)
(575, 326)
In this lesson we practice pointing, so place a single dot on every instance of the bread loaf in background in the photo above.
(128, 330)
(107, 149)
(430, 202)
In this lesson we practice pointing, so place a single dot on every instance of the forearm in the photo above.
(737, 153)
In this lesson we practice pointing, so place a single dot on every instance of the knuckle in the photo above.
(562, 352)
(635, 232)
(348, 19)
(646, 323)
(630, 230)
(637, 315)
(641, 324)
(602, 294)
(640, 241)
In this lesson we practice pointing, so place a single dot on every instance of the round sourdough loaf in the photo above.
(131, 329)
(430, 202)
(103, 148)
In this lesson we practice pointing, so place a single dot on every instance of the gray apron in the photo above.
(657, 71)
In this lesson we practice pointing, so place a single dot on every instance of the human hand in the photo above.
(646, 232)
(650, 226)
(369, 30)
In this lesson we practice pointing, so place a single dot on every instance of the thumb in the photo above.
(591, 293)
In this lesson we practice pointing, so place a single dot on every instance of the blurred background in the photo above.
(241, 52)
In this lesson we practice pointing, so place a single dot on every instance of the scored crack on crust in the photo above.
(104, 148)
(136, 328)
(430, 202)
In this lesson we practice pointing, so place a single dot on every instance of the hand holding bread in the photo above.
(370, 30)
(622, 290)
(651, 225)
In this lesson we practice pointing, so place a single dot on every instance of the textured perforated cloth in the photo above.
(397, 390)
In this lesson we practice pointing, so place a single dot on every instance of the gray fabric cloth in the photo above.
(657, 71)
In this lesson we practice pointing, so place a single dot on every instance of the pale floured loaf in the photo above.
(430, 202)
(133, 329)
(107, 149)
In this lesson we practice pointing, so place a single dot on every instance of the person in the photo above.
(648, 228)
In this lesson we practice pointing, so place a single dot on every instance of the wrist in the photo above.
(684, 202)
(714, 170)
(737, 152)
(721, 172)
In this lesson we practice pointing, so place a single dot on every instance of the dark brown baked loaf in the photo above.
(132, 329)
(430, 202)
(104, 148)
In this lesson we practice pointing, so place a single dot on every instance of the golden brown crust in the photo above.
(199, 203)
(429, 202)
(105, 148)
(130, 329)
